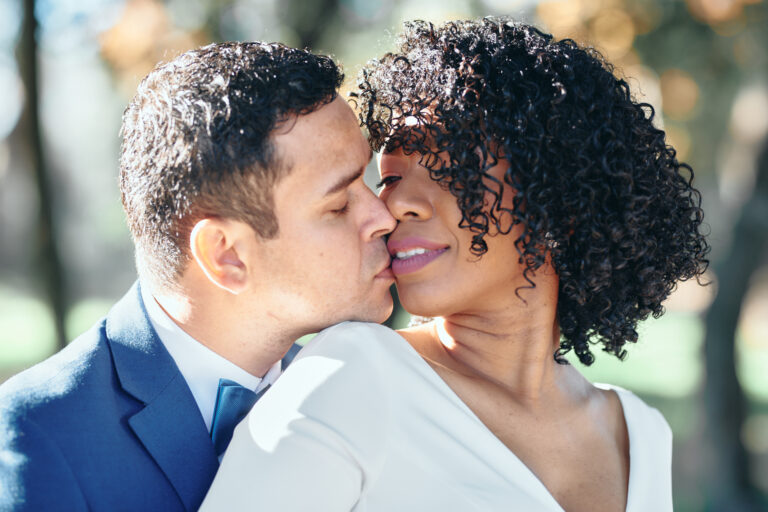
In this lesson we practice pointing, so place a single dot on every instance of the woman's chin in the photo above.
(421, 306)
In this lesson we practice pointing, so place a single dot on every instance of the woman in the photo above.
(539, 211)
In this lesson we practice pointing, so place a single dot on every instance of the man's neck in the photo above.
(252, 343)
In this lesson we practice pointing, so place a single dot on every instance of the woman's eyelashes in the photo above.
(387, 180)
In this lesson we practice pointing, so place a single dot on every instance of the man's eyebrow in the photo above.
(348, 180)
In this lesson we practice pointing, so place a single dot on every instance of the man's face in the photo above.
(329, 261)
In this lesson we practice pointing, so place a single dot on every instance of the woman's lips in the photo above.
(415, 262)
(410, 260)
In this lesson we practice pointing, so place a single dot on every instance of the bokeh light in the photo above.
(615, 32)
(680, 94)
(749, 116)
(142, 37)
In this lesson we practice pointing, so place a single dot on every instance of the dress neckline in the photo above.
(519, 468)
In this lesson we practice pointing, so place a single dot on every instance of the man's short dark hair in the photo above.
(197, 142)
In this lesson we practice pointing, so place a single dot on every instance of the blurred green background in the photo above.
(67, 72)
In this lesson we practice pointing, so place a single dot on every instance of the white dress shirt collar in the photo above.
(200, 366)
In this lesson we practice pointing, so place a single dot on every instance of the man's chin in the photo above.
(386, 313)
(376, 313)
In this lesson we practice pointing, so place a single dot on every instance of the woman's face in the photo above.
(435, 272)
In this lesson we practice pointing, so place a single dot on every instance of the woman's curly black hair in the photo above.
(596, 187)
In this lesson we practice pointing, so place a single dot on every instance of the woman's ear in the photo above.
(220, 248)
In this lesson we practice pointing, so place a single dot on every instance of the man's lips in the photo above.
(386, 270)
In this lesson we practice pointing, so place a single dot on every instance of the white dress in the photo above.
(360, 422)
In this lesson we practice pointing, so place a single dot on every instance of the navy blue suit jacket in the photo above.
(108, 423)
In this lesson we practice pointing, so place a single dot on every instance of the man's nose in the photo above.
(381, 222)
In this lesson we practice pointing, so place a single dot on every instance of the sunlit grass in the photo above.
(83, 315)
(26, 330)
(752, 360)
(666, 360)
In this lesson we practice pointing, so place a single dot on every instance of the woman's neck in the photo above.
(511, 344)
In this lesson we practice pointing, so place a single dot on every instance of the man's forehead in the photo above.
(322, 158)
(331, 124)
(306, 186)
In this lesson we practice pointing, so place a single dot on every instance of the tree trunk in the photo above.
(48, 261)
(730, 487)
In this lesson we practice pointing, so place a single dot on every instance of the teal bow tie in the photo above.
(233, 402)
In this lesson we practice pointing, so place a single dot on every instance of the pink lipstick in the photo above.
(412, 254)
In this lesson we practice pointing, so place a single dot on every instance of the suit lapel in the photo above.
(169, 426)
(178, 441)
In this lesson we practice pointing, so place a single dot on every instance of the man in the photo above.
(241, 177)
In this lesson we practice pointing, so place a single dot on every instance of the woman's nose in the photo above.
(408, 197)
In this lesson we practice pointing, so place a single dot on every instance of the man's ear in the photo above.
(220, 248)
